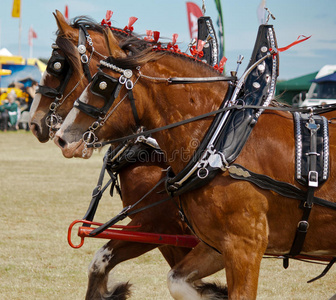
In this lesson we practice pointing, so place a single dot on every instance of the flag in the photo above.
(66, 13)
(31, 35)
(16, 11)
(194, 12)
(220, 24)
(261, 13)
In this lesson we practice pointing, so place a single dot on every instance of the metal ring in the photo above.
(89, 137)
(59, 98)
(53, 106)
(95, 125)
(122, 79)
(129, 84)
(84, 59)
(202, 170)
(51, 120)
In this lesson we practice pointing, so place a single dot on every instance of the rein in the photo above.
(317, 110)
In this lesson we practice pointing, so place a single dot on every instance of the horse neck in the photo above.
(173, 103)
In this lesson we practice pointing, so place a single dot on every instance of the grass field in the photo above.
(41, 193)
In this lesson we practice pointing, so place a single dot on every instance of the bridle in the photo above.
(108, 88)
(60, 67)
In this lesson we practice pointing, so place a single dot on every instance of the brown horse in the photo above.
(239, 219)
(136, 179)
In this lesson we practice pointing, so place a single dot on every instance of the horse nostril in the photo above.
(39, 132)
(60, 142)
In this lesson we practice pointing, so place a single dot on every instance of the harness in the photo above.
(245, 100)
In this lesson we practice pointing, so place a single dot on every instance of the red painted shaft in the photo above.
(188, 241)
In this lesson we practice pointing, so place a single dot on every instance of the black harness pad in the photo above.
(303, 151)
(254, 92)
(210, 50)
(229, 137)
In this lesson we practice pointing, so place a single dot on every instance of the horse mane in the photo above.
(138, 58)
(91, 24)
(141, 51)
(87, 22)
(145, 51)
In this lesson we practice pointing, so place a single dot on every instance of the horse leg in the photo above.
(244, 242)
(184, 280)
(238, 229)
(242, 265)
(100, 285)
(173, 254)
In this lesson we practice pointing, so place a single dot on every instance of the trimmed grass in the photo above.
(42, 193)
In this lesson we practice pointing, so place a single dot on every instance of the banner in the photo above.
(16, 11)
(31, 35)
(194, 12)
(220, 24)
(66, 13)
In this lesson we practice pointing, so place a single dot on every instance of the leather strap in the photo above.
(82, 36)
(134, 110)
(303, 225)
(183, 80)
(203, 116)
(97, 193)
(125, 211)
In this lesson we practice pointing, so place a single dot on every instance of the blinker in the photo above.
(57, 65)
(103, 85)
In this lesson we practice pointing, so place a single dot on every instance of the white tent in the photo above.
(5, 52)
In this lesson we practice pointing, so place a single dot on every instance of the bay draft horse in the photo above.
(136, 179)
(240, 220)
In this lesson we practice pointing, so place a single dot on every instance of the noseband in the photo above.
(61, 68)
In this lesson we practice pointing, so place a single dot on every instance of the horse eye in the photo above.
(103, 85)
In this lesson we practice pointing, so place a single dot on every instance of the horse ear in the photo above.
(62, 24)
(113, 45)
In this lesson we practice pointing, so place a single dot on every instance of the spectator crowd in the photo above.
(14, 112)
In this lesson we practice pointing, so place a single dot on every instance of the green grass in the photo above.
(42, 193)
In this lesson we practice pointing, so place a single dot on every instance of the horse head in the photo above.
(78, 48)
(134, 90)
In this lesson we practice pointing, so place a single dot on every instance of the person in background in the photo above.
(12, 108)
(3, 117)
(31, 91)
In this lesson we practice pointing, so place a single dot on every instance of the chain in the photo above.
(101, 55)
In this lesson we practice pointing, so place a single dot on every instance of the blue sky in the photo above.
(293, 18)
